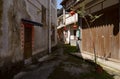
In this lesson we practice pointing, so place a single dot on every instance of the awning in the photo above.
(32, 22)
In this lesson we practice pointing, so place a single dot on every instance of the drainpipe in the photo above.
(49, 31)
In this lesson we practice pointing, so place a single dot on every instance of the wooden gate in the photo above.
(27, 39)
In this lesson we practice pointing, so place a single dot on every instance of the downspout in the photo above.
(49, 29)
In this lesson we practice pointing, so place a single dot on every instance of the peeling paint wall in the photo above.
(15, 13)
(11, 13)
(40, 33)
(1, 2)
(54, 22)
(1, 9)
(4, 37)
(10, 28)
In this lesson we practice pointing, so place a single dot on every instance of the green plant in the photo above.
(69, 49)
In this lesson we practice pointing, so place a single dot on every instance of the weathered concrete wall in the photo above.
(10, 27)
(40, 33)
(16, 12)
(1, 2)
(54, 21)
(40, 40)
(4, 38)
(13, 11)
(1, 9)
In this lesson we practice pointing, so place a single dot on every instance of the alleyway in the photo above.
(61, 65)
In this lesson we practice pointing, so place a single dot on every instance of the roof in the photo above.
(77, 4)
(67, 4)
(63, 2)
(59, 12)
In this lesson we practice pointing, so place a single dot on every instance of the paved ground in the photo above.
(60, 65)
(111, 67)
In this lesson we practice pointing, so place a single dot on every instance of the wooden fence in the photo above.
(102, 41)
(104, 34)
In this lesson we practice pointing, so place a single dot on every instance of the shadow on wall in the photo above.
(116, 30)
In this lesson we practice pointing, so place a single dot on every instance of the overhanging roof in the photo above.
(63, 2)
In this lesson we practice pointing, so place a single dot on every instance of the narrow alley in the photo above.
(59, 39)
(61, 65)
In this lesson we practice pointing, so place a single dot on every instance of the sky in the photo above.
(58, 4)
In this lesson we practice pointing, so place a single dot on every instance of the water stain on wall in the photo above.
(16, 12)
(1, 9)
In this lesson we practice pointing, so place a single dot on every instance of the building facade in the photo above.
(27, 29)
(70, 21)
(61, 25)
(102, 36)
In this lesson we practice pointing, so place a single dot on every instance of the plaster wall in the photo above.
(12, 11)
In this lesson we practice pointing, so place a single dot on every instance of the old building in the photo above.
(70, 20)
(61, 25)
(27, 29)
(102, 36)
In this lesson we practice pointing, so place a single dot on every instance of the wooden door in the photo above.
(27, 41)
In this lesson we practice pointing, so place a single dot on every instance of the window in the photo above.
(43, 15)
